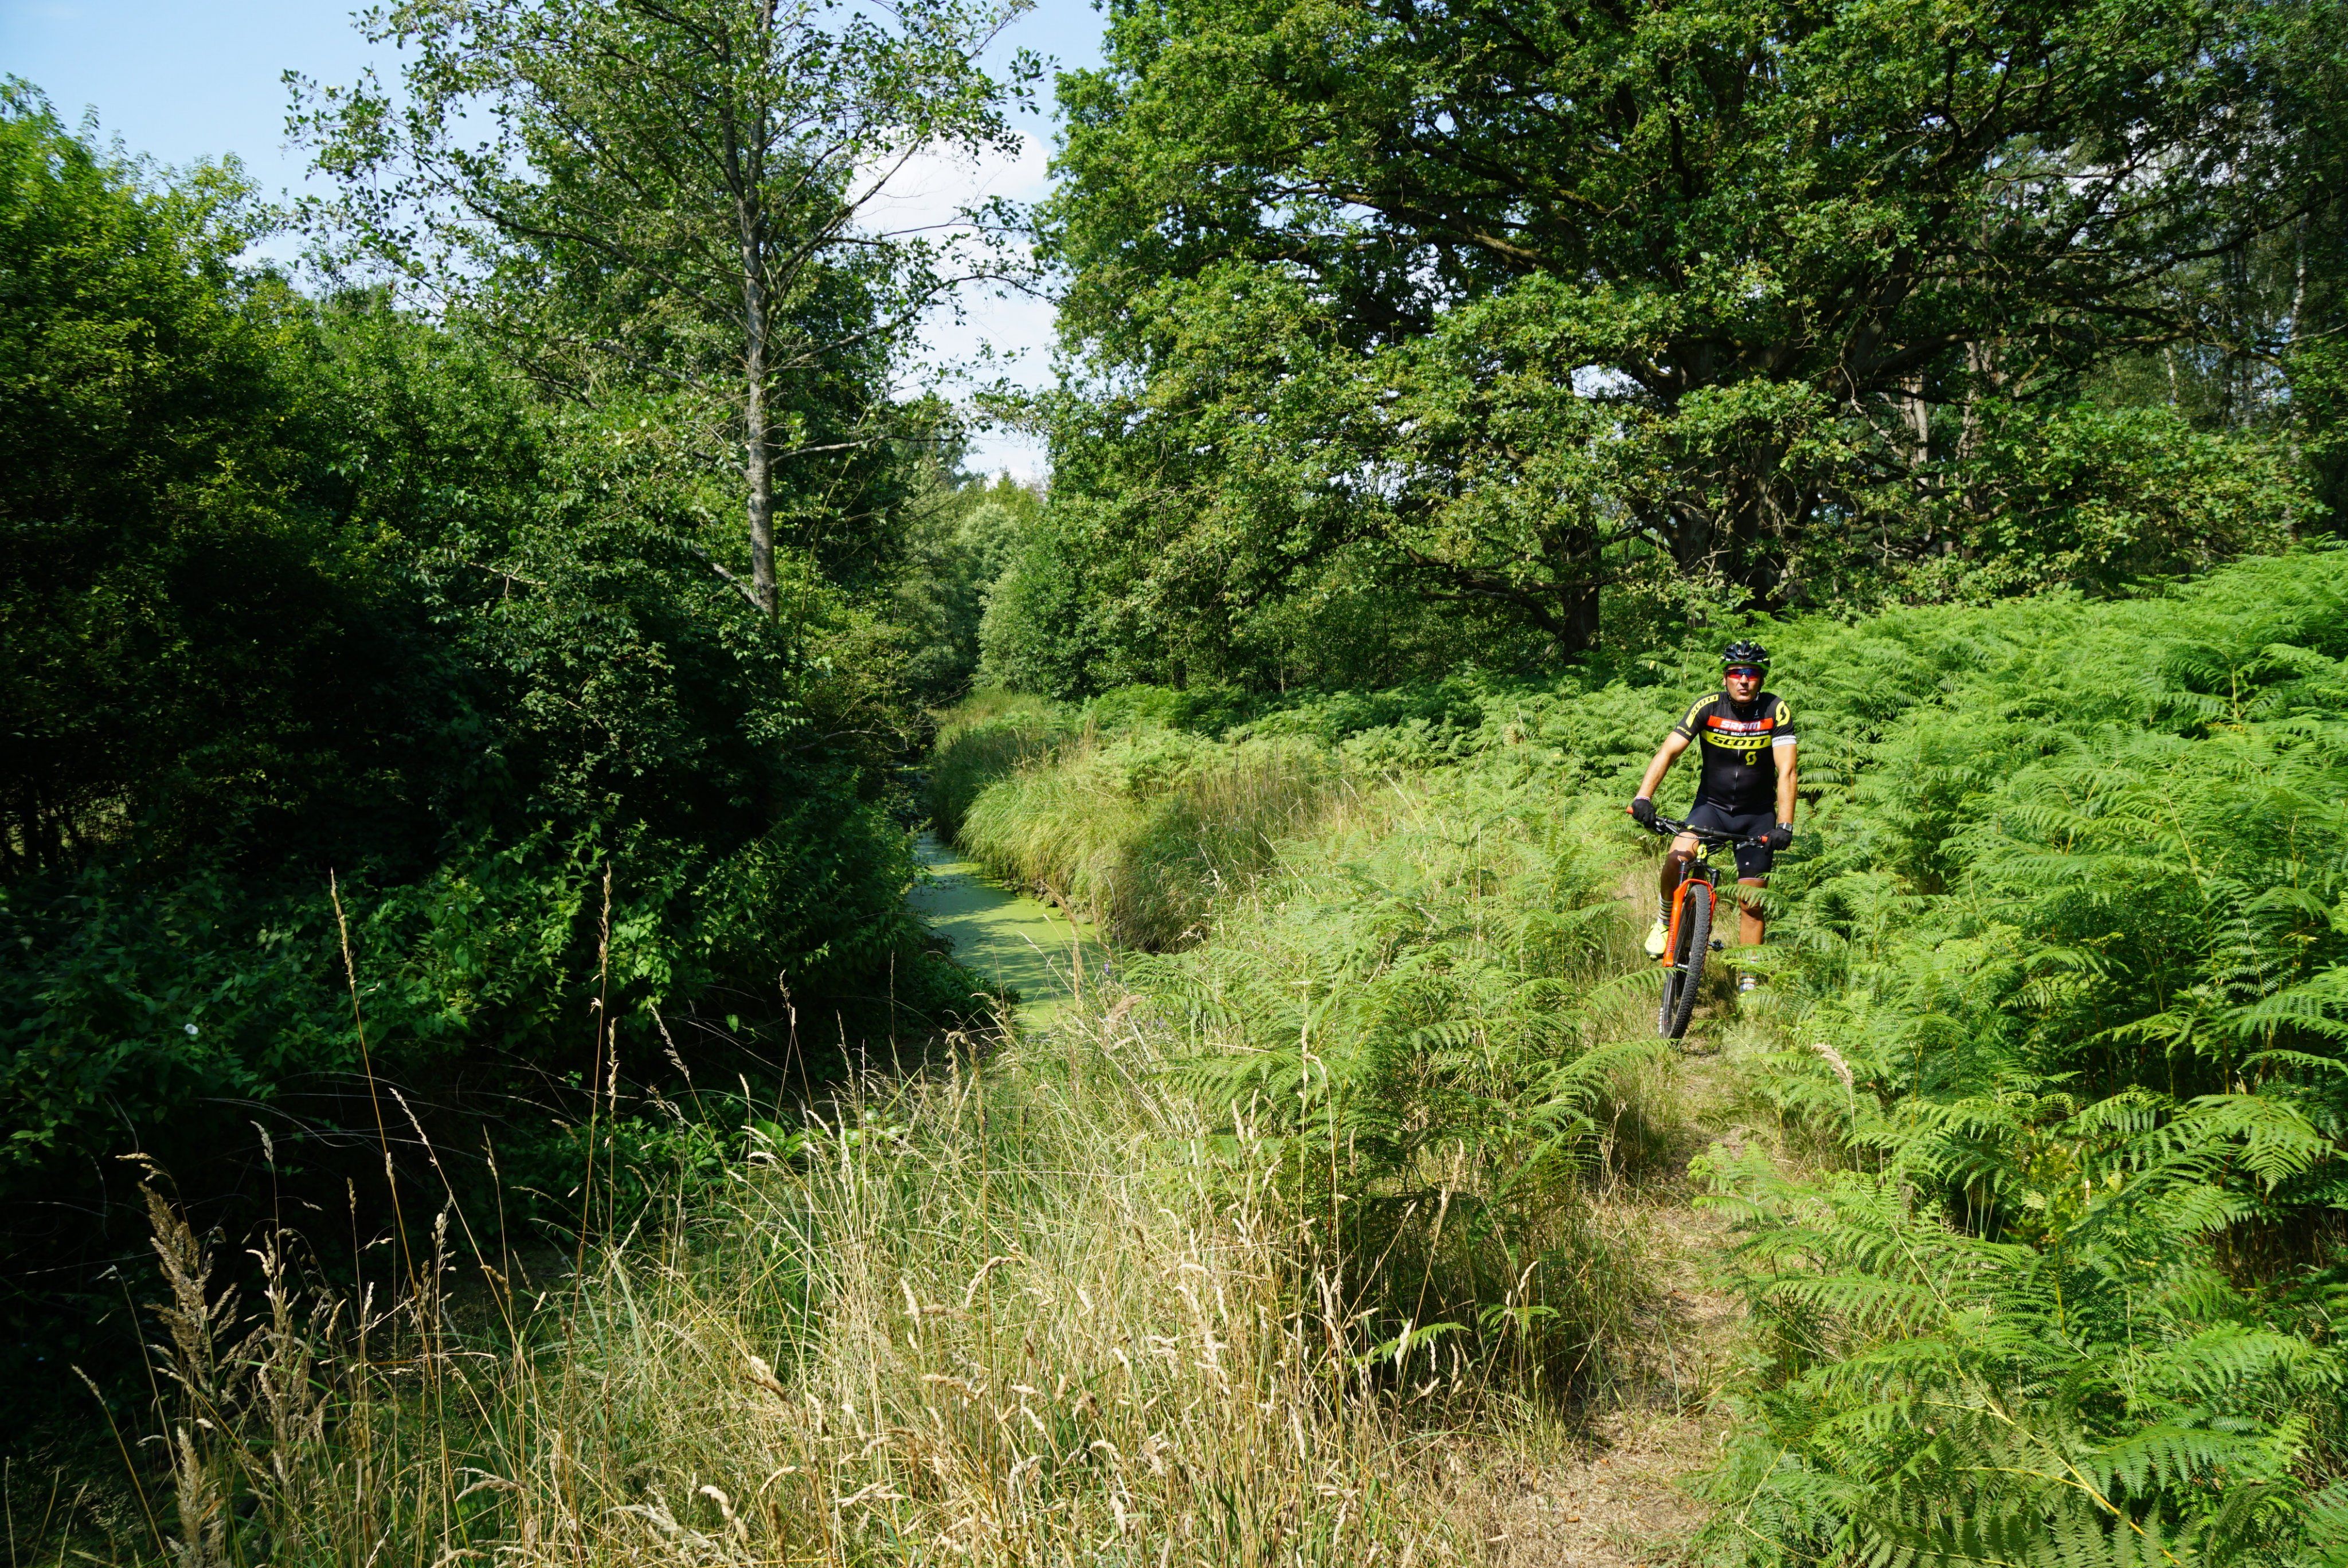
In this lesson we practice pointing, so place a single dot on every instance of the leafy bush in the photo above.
(301, 592)
(2099, 498)
(1039, 633)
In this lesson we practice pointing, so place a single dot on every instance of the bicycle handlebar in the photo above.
(1668, 827)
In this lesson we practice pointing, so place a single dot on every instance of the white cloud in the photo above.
(996, 333)
(935, 185)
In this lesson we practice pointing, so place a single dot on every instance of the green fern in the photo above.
(2076, 933)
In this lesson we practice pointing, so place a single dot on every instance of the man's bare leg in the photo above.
(1675, 867)
(1750, 926)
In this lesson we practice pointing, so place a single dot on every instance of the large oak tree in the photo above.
(1507, 297)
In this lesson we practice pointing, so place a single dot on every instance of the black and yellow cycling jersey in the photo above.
(1739, 769)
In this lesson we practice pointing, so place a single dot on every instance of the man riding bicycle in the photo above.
(1735, 794)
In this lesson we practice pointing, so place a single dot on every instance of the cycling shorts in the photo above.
(1752, 859)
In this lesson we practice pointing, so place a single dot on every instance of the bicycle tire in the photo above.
(1686, 975)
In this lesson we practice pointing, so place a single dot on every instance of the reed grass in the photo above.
(1142, 833)
(986, 738)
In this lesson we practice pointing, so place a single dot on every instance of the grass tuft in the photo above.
(983, 740)
(1142, 833)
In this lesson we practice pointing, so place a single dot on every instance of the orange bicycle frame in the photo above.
(1679, 897)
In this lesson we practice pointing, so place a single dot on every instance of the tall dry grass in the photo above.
(1031, 1312)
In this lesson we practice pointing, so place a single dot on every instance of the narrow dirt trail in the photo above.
(1619, 1500)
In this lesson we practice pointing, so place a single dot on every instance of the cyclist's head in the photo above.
(1744, 664)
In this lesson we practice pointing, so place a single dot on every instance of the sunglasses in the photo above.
(1743, 673)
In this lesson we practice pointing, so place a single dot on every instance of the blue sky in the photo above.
(200, 78)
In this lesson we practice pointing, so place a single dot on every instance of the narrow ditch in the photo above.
(1015, 941)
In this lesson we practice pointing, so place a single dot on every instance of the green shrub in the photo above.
(1038, 632)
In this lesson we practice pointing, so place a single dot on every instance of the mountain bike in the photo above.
(1689, 940)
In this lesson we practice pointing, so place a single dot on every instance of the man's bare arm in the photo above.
(1665, 755)
(1787, 777)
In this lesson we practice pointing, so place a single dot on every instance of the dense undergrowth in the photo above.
(2056, 988)
(316, 614)
(2032, 1185)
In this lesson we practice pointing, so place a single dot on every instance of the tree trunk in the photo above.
(1746, 511)
(1916, 418)
(758, 465)
(1581, 618)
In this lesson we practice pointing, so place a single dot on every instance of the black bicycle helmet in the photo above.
(1744, 652)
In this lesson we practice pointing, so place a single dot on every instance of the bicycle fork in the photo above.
(1679, 903)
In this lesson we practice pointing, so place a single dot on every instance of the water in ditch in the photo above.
(1006, 937)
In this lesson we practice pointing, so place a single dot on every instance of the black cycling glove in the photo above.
(1780, 838)
(1643, 812)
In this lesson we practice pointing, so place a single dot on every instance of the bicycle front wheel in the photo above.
(1687, 956)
